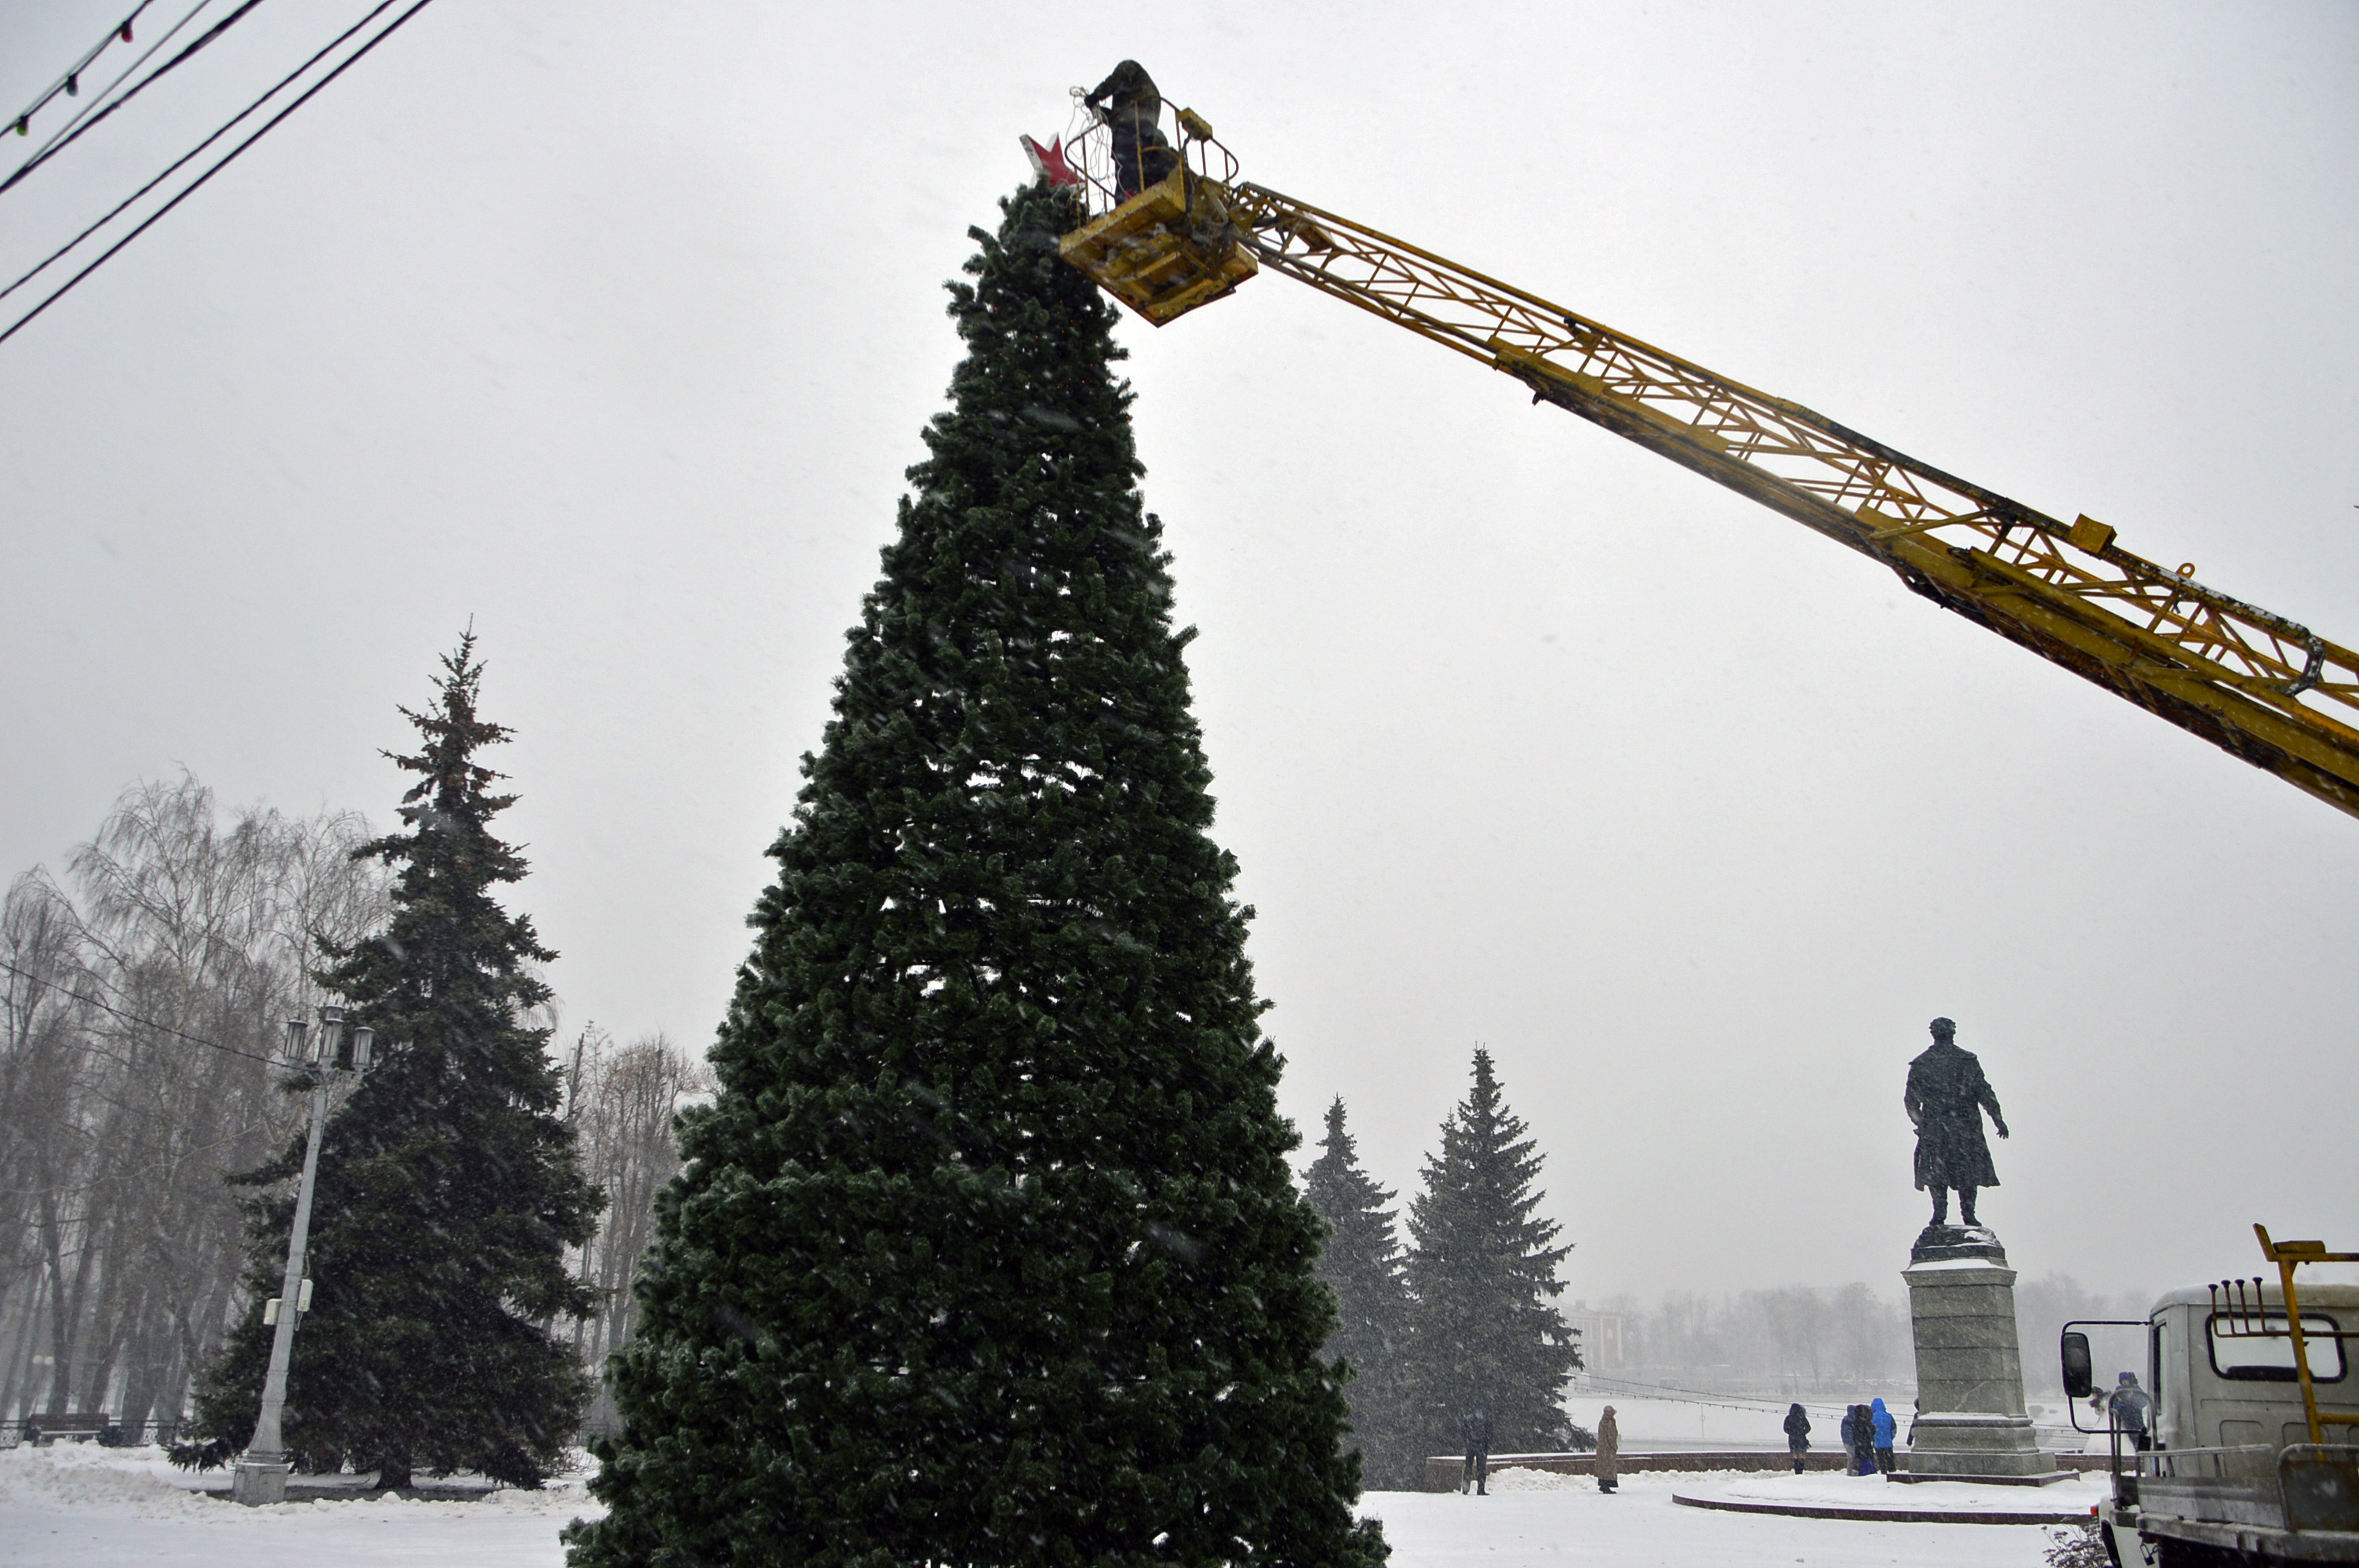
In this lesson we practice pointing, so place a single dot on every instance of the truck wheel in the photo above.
(2112, 1553)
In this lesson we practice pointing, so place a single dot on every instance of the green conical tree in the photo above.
(447, 1189)
(987, 1251)
(1361, 1262)
(1481, 1274)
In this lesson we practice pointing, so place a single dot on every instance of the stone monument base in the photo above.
(1971, 1424)
(2044, 1478)
(1961, 1445)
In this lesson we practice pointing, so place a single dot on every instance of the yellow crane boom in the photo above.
(2253, 683)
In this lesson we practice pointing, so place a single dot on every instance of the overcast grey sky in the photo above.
(613, 326)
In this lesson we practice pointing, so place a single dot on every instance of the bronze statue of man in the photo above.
(1946, 1098)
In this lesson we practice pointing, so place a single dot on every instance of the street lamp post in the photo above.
(334, 1050)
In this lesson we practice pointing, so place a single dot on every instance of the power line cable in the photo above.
(68, 131)
(143, 1022)
(59, 144)
(22, 126)
(71, 82)
(48, 260)
(226, 160)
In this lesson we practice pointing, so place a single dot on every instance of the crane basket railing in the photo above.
(1089, 152)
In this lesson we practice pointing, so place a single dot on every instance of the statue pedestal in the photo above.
(1971, 1423)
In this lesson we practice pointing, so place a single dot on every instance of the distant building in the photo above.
(1600, 1337)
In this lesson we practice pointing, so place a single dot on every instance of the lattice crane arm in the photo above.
(2253, 683)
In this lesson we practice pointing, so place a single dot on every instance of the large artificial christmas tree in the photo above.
(448, 1188)
(1482, 1273)
(1362, 1264)
(987, 1251)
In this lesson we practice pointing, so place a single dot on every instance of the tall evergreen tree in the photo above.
(448, 1188)
(987, 1251)
(1482, 1274)
(1362, 1264)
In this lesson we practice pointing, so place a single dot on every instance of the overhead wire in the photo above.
(176, 164)
(71, 82)
(143, 1022)
(83, 120)
(225, 160)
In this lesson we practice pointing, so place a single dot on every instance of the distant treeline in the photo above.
(1803, 1340)
(1797, 1339)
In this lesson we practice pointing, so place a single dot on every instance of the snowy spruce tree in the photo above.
(1481, 1275)
(1361, 1262)
(447, 1189)
(987, 1251)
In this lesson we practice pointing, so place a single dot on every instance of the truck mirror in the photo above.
(2080, 1381)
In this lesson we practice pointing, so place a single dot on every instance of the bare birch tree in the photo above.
(142, 1011)
(621, 1101)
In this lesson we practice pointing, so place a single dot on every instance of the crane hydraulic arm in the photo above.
(2253, 683)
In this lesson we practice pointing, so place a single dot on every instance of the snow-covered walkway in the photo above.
(1536, 1519)
(79, 1505)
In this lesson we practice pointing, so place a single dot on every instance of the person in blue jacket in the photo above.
(1883, 1425)
(2129, 1403)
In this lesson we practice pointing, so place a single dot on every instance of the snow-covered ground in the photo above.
(1833, 1489)
(1535, 1520)
(81, 1504)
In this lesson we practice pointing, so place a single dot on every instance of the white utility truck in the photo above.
(2239, 1448)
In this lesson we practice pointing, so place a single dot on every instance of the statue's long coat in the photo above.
(1946, 1098)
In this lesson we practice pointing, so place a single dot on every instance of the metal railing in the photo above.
(13, 1433)
(1088, 153)
(2288, 1256)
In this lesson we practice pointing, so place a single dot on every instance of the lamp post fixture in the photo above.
(333, 1051)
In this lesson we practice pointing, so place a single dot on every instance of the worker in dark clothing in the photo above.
(2128, 1405)
(1946, 1097)
(1476, 1430)
(1798, 1435)
(1128, 104)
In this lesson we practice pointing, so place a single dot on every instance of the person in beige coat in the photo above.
(1609, 1451)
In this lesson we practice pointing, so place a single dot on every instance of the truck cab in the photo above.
(2235, 1473)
